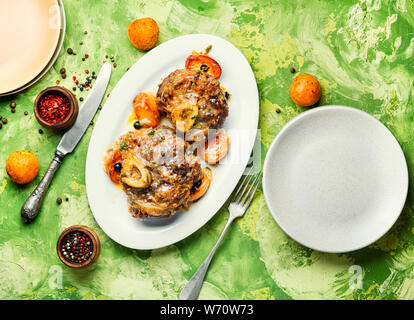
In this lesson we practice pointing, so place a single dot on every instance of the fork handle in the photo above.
(192, 288)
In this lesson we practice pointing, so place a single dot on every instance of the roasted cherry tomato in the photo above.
(202, 188)
(112, 167)
(216, 148)
(146, 110)
(203, 63)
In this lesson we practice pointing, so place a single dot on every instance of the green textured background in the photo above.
(362, 52)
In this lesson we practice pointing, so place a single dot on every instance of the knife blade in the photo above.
(69, 141)
(86, 113)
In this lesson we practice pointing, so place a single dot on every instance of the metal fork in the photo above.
(237, 207)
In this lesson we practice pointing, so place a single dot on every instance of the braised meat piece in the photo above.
(192, 99)
(154, 170)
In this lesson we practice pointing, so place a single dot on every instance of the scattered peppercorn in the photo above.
(1, 126)
(62, 70)
(74, 88)
(40, 131)
(81, 99)
(86, 32)
(277, 110)
(115, 65)
(4, 120)
(70, 51)
(83, 59)
(26, 113)
(292, 70)
(64, 75)
(59, 201)
(13, 110)
(13, 104)
(67, 199)
(91, 123)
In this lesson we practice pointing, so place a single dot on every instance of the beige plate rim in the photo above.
(53, 58)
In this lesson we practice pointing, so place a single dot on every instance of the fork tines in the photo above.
(243, 198)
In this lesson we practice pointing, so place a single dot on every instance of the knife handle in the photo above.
(31, 207)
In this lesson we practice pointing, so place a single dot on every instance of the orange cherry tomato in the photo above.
(146, 109)
(115, 157)
(203, 187)
(201, 62)
(216, 148)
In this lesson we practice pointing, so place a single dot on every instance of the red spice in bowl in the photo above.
(56, 108)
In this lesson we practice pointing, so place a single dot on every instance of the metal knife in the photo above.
(68, 143)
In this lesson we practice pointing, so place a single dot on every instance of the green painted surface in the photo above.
(362, 52)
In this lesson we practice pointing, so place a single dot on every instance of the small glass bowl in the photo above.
(69, 119)
(82, 230)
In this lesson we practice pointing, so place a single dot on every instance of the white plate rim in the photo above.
(255, 119)
(285, 130)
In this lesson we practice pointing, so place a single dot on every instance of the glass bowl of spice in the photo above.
(78, 246)
(56, 108)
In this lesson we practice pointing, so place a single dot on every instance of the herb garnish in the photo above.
(122, 145)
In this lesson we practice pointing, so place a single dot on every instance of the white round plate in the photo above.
(109, 204)
(335, 179)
